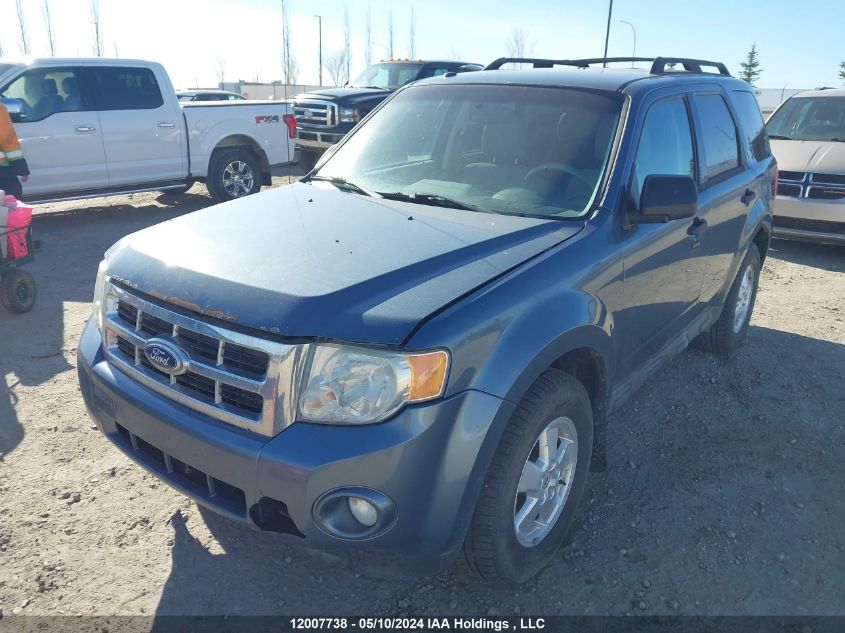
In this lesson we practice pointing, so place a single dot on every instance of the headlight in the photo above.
(351, 385)
(349, 115)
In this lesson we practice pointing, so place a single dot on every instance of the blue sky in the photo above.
(800, 43)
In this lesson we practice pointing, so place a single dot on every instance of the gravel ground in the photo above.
(724, 494)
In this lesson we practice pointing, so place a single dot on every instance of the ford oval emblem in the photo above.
(166, 357)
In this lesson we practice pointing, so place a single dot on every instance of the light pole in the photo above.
(634, 31)
(320, 47)
(607, 34)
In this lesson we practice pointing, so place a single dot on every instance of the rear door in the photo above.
(60, 131)
(727, 188)
(142, 130)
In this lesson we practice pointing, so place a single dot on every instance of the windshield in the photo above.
(809, 119)
(387, 76)
(506, 149)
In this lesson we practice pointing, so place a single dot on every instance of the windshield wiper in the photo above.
(432, 199)
(778, 137)
(344, 184)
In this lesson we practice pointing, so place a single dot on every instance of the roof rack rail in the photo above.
(658, 64)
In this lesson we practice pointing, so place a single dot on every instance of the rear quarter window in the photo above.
(753, 129)
(718, 136)
(127, 89)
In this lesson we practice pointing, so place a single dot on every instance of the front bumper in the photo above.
(312, 139)
(809, 219)
(426, 460)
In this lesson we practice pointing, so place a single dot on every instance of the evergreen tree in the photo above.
(842, 70)
(751, 66)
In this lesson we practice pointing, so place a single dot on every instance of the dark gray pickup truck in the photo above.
(415, 350)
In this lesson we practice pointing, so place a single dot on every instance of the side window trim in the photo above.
(704, 181)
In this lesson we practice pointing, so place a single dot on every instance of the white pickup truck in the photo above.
(94, 127)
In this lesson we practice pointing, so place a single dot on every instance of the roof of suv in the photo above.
(823, 92)
(614, 79)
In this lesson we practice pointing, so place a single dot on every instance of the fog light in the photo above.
(363, 511)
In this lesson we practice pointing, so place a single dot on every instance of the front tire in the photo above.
(233, 173)
(534, 482)
(18, 291)
(729, 331)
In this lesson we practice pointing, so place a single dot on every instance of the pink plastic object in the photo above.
(18, 218)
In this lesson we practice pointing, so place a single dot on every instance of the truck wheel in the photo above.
(233, 173)
(534, 482)
(728, 332)
(17, 291)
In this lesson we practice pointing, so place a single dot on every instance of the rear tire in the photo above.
(233, 173)
(726, 334)
(499, 547)
(18, 291)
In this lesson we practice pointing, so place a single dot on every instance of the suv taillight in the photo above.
(290, 121)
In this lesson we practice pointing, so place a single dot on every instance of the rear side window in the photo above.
(718, 135)
(127, 89)
(665, 146)
(751, 121)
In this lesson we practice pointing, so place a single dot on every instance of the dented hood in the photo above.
(311, 261)
(827, 157)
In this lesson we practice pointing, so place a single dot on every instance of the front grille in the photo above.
(797, 176)
(236, 378)
(825, 193)
(828, 179)
(816, 226)
(788, 189)
(213, 490)
(315, 113)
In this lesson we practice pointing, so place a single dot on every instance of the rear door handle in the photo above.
(166, 124)
(85, 129)
(698, 226)
(748, 197)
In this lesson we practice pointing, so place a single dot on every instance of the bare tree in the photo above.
(390, 33)
(290, 69)
(454, 53)
(1, 49)
(347, 44)
(23, 35)
(368, 40)
(335, 65)
(412, 35)
(94, 5)
(519, 44)
(48, 24)
(220, 69)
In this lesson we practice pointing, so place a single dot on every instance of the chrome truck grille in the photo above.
(799, 184)
(239, 379)
(315, 113)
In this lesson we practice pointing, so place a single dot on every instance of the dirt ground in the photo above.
(725, 492)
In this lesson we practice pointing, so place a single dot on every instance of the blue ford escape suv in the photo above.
(414, 351)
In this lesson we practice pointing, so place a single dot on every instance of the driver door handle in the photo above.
(698, 226)
(748, 197)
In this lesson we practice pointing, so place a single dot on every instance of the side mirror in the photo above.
(15, 108)
(665, 198)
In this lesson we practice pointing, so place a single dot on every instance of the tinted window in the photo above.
(43, 92)
(809, 119)
(718, 134)
(389, 75)
(127, 89)
(666, 143)
(751, 120)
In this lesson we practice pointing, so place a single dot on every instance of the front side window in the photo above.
(126, 89)
(43, 92)
(718, 135)
(665, 146)
(505, 149)
(809, 119)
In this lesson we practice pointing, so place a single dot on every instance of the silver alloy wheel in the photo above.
(743, 298)
(238, 178)
(545, 482)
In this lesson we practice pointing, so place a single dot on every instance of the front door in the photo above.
(662, 275)
(59, 131)
(142, 131)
